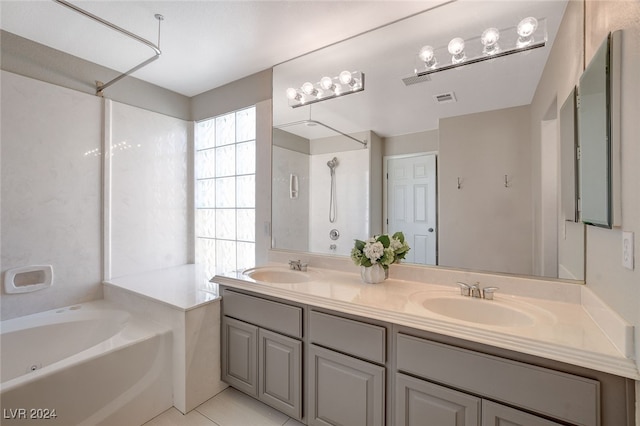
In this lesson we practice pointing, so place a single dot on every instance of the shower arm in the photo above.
(295, 123)
(156, 48)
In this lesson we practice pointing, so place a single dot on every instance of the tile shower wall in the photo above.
(51, 185)
(352, 196)
(290, 219)
(149, 205)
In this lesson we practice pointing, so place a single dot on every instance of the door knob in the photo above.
(430, 229)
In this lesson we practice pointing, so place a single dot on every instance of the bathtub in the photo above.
(87, 364)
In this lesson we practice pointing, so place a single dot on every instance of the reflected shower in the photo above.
(333, 210)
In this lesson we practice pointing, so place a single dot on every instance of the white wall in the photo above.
(149, 191)
(483, 217)
(51, 183)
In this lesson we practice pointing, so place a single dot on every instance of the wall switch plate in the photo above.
(627, 250)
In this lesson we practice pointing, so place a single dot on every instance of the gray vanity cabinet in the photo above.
(419, 402)
(347, 374)
(467, 380)
(495, 414)
(262, 350)
(239, 356)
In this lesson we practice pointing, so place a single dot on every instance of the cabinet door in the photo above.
(344, 391)
(499, 415)
(239, 355)
(419, 402)
(280, 372)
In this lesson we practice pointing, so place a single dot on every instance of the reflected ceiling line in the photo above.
(315, 122)
(156, 48)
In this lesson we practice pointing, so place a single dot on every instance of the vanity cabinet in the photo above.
(418, 400)
(262, 350)
(470, 388)
(347, 374)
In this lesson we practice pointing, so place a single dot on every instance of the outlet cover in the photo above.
(627, 250)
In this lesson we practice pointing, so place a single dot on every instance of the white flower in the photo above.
(373, 250)
(395, 244)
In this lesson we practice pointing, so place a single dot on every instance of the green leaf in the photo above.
(359, 244)
(385, 240)
(399, 236)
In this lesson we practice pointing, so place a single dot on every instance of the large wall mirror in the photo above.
(446, 158)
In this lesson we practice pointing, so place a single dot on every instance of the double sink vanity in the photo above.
(326, 349)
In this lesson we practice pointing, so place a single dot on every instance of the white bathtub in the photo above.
(87, 364)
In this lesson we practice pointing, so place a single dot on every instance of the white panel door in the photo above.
(411, 204)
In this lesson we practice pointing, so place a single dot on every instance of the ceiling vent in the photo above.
(414, 79)
(444, 98)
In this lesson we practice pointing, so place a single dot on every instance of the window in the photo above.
(225, 167)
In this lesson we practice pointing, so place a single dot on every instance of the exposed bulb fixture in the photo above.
(309, 89)
(489, 40)
(525, 30)
(456, 49)
(327, 83)
(326, 88)
(292, 94)
(427, 55)
(530, 33)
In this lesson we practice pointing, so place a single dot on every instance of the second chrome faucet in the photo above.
(475, 291)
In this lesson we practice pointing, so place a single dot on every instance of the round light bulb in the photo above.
(426, 53)
(308, 88)
(527, 27)
(456, 48)
(345, 77)
(327, 83)
(292, 93)
(489, 40)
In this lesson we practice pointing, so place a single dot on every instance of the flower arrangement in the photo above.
(381, 249)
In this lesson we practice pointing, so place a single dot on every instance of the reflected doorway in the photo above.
(411, 204)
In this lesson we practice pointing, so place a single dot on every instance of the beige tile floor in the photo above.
(228, 408)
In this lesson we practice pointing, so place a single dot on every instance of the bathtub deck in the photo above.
(228, 408)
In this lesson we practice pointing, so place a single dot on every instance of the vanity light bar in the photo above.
(346, 83)
(530, 33)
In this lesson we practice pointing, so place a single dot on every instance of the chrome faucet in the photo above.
(477, 292)
(297, 265)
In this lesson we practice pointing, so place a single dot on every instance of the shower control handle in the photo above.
(334, 234)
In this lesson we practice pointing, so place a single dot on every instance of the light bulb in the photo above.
(489, 39)
(525, 30)
(456, 48)
(327, 83)
(527, 26)
(427, 56)
(293, 94)
(308, 89)
(346, 78)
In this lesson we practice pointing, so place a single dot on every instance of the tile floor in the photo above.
(228, 408)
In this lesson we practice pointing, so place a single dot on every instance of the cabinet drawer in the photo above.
(353, 337)
(273, 316)
(560, 395)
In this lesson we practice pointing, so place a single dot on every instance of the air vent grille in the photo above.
(444, 98)
(414, 79)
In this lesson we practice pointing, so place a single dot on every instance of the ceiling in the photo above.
(205, 44)
(386, 56)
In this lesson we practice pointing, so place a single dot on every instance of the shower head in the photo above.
(333, 163)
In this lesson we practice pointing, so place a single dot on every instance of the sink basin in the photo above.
(501, 313)
(279, 275)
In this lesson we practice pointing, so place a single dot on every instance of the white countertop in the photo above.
(182, 287)
(568, 333)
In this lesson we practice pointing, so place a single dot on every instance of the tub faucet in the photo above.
(297, 265)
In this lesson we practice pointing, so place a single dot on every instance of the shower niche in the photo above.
(337, 180)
